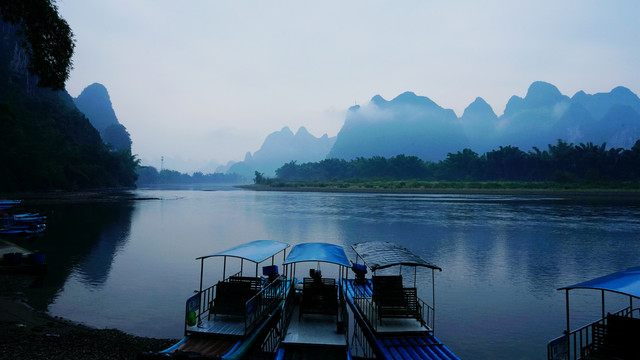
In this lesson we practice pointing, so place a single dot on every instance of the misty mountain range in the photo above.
(282, 147)
(415, 125)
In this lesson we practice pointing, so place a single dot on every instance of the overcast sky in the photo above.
(209, 80)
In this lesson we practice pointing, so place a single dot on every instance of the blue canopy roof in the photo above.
(625, 282)
(256, 251)
(317, 252)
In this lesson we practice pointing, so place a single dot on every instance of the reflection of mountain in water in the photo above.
(114, 234)
(81, 238)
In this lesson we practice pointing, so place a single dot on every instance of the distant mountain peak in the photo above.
(541, 93)
(302, 131)
(378, 100)
(479, 107)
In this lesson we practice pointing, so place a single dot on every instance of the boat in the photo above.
(391, 321)
(16, 259)
(613, 335)
(315, 319)
(227, 319)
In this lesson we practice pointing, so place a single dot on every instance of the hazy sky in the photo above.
(209, 80)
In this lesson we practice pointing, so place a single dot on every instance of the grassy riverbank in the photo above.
(618, 190)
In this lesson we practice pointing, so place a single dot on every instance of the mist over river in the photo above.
(131, 264)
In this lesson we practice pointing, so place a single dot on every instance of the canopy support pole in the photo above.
(201, 272)
(415, 275)
(631, 305)
(602, 306)
(256, 269)
(241, 266)
(224, 268)
(433, 296)
(568, 331)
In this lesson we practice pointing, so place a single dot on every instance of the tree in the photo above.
(47, 39)
(259, 178)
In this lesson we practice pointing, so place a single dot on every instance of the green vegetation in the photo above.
(46, 142)
(150, 176)
(561, 166)
(47, 39)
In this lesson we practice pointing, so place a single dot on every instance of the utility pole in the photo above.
(161, 163)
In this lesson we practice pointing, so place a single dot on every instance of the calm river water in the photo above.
(131, 265)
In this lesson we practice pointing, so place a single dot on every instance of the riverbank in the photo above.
(630, 195)
(100, 195)
(29, 334)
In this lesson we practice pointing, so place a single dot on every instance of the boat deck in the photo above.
(313, 329)
(204, 345)
(220, 324)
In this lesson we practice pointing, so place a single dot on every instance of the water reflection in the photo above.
(80, 242)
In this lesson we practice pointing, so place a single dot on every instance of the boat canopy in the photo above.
(381, 254)
(625, 282)
(255, 251)
(322, 252)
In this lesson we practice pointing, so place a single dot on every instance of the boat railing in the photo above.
(427, 314)
(577, 344)
(263, 302)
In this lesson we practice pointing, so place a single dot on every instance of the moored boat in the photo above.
(391, 321)
(226, 319)
(613, 335)
(315, 314)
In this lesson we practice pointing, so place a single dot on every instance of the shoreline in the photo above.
(574, 194)
(26, 333)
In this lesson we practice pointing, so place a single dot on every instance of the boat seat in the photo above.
(255, 283)
(231, 298)
(392, 299)
(618, 338)
(319, 296)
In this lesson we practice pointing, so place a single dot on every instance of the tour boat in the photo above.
(613, 336)
(227, 319)
(315, 315)
(391, 321)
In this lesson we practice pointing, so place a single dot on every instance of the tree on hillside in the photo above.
(48, 40)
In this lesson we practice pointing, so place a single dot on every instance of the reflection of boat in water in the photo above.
(226, 319)
(613, 336)
(391, 321)
(315, 315)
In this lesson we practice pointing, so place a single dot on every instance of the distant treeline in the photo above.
(148, 175)
(563, 162)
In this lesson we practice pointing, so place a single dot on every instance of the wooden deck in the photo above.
(220, 324)
(313, 329)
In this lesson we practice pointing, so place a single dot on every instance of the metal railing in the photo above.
(263, 302)
(427, 314)
(579, 341)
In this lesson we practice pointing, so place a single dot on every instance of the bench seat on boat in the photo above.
(618, 338)
(319, 297)
(231, 298)
(255, 283)
(393, 300)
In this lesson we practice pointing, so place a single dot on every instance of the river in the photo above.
(131, 264)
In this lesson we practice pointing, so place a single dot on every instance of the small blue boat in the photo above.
(315, 314)
(613, 335)
(226, 319)
(392, 321)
